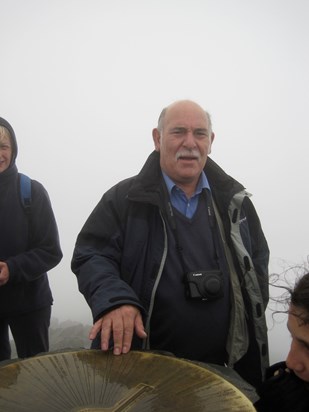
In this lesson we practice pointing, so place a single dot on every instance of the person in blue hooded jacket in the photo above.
(175, 259)
(29, 247)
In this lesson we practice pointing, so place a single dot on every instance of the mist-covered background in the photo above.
(83, 83)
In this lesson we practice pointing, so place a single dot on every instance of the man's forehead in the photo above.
(183, 117)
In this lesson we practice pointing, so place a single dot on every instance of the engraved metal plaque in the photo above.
(93, 381)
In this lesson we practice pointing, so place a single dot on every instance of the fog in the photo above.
(83, 83)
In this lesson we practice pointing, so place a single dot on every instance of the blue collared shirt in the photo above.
(179, 199)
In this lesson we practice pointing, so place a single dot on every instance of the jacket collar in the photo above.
(149, 186)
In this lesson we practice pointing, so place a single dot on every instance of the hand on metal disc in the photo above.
(120, 324)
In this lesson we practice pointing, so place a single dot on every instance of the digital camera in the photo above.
(204, 285)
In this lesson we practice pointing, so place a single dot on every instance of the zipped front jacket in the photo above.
(29, 242)
(121, 250)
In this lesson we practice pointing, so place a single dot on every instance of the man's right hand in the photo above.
(120, 324)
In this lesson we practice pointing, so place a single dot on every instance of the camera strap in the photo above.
(175, 232)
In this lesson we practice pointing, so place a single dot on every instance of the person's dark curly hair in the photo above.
(294, 284)
(300, 297)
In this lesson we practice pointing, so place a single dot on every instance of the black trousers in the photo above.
(29, 331)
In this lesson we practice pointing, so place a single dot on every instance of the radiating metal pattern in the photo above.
(93, 381)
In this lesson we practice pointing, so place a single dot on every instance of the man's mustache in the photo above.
(188, 153)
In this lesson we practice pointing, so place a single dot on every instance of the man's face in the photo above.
(298, 357)
(5, 152)
(184, 142)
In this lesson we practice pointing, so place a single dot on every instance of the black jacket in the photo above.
(282, 391)
(120, 251)
(28, 244)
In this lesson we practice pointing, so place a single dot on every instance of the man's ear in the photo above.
(212, 137)
(156, 139)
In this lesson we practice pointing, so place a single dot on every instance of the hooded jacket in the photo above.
(121, 250)
(29, 243)
(282, 391)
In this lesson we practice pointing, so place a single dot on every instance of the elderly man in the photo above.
(175, 259)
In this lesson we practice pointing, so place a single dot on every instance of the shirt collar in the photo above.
(202, 183)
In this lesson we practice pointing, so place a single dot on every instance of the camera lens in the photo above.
(212, 286)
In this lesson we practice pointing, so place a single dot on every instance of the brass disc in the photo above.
(93, 381)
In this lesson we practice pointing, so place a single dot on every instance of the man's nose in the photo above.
(189, 139)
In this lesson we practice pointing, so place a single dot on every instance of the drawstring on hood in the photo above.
(7, 125)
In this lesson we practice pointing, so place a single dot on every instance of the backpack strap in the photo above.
(25, 191)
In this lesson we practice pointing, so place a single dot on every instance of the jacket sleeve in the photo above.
(43, 251)
(97, 257)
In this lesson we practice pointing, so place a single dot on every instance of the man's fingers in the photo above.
(106, 330)
(117, 330)
(119, 324)
(139, 327)
(95, 329)
(127, 338)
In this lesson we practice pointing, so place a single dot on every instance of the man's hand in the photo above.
(4, 273)
(120, 323)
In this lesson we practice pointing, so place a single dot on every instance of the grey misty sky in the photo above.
(83, 83)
